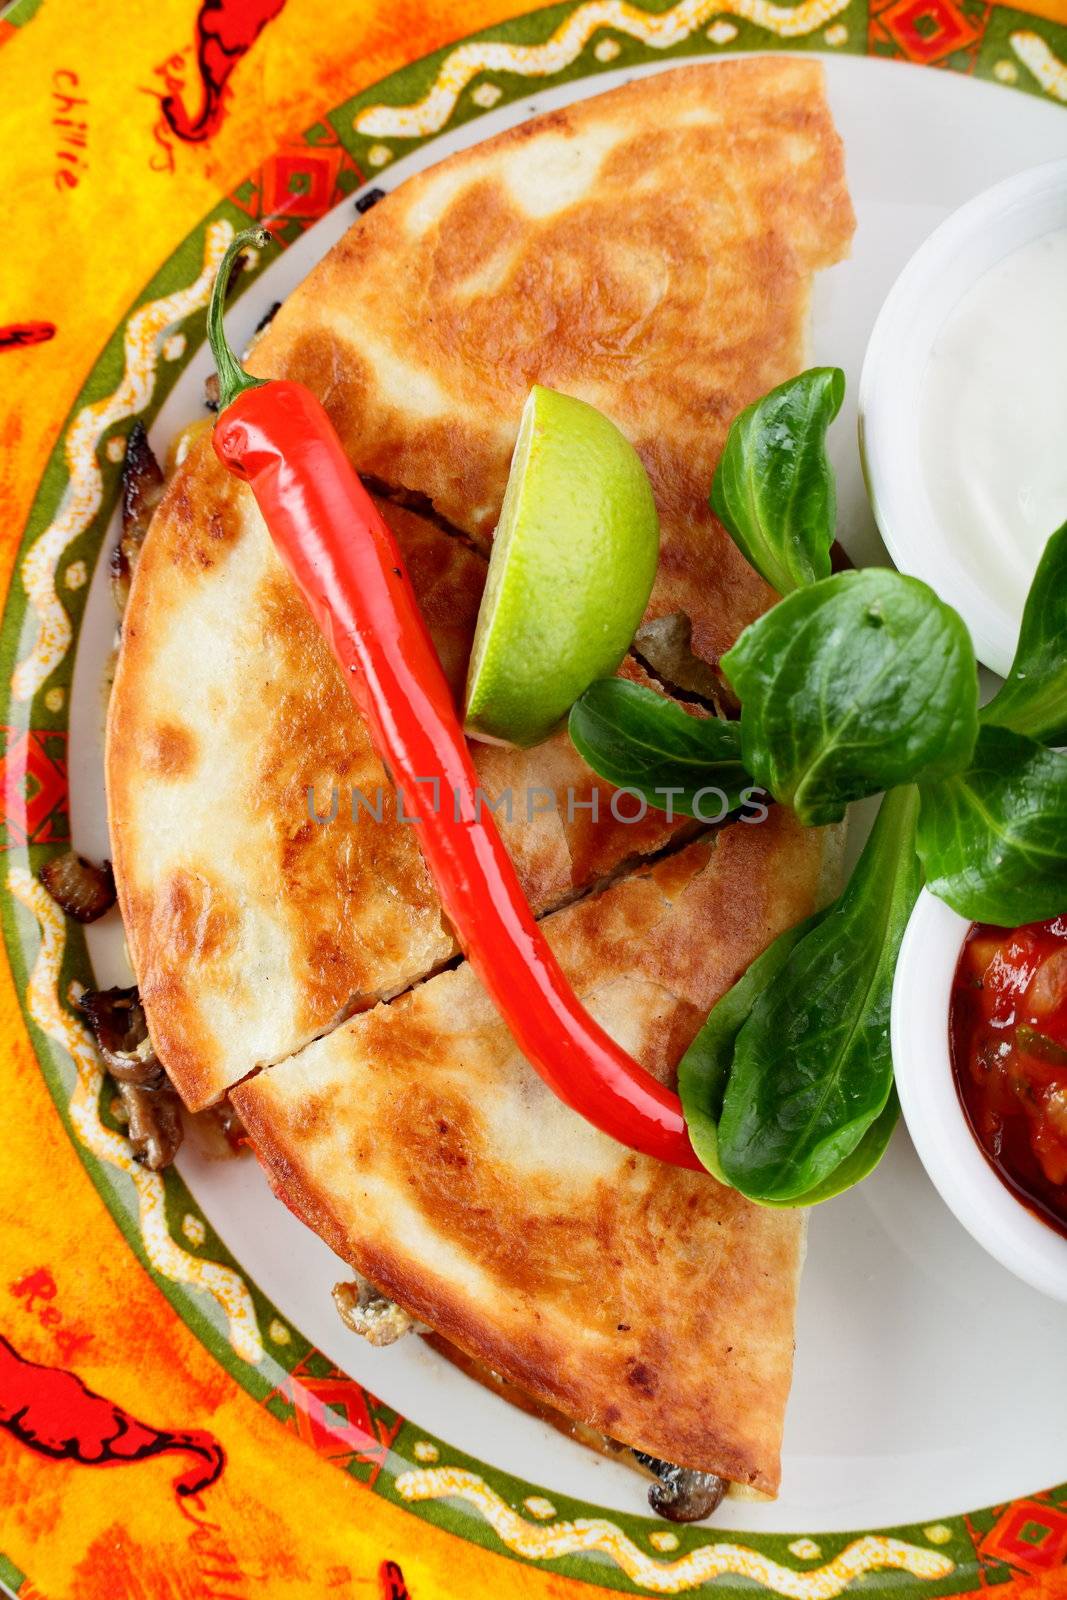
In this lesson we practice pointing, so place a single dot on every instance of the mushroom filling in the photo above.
(371, 1314)
(664, 647)
(117, 1019)
(154, 1124)
(80, 888)
(681, 1494)
(142, 487)
(153, 1110)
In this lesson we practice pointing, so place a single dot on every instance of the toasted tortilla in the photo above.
(650, 250)
(251, 927)
(650, 1303)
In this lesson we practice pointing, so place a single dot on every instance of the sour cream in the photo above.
(993, 418)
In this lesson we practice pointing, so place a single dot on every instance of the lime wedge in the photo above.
(572, 565)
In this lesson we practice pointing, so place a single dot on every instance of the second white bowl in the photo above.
(940, 1132)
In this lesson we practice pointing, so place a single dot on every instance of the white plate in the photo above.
(928, 1381)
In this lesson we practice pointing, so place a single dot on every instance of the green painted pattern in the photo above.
(272, 1380)
(411, 83)
(19, 12)
(11, 1579)
(997, 55)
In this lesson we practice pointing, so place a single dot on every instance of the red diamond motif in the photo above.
(338, 1418)
(299, 183)
(926, 30)
(33, 769)
(1030, 1535)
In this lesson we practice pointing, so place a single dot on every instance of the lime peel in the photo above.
(572, 566)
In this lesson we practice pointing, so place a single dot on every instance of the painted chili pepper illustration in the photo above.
(391, 1582)
(18, 335)
(53, 1412)
(225, 31)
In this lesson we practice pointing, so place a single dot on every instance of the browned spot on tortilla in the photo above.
(639, 1376)
(169, 750)
(203, 502)
(196, 922)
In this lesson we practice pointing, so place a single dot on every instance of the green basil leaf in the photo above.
(704, 1070)
(860, 683)
(773, 489)
(639, 740)
(993, 839)
(1033, 697)
(859, 1165)
(812, 1068)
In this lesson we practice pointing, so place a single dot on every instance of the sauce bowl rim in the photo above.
(948, 1149)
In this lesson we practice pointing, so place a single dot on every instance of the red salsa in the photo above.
(1008, 1031)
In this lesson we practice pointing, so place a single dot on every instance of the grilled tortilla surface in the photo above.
(252, 926)
(650, 250)
(651, 1303)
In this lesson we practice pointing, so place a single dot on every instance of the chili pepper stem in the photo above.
(233, 379)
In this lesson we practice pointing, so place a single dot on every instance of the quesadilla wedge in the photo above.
(650, 1303)
(253, 926)
(715, 191)
(650, 250)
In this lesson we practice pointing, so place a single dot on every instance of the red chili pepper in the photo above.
(344, 559)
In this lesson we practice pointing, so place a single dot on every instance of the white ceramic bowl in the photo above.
(947, 1148)
(943, 269)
